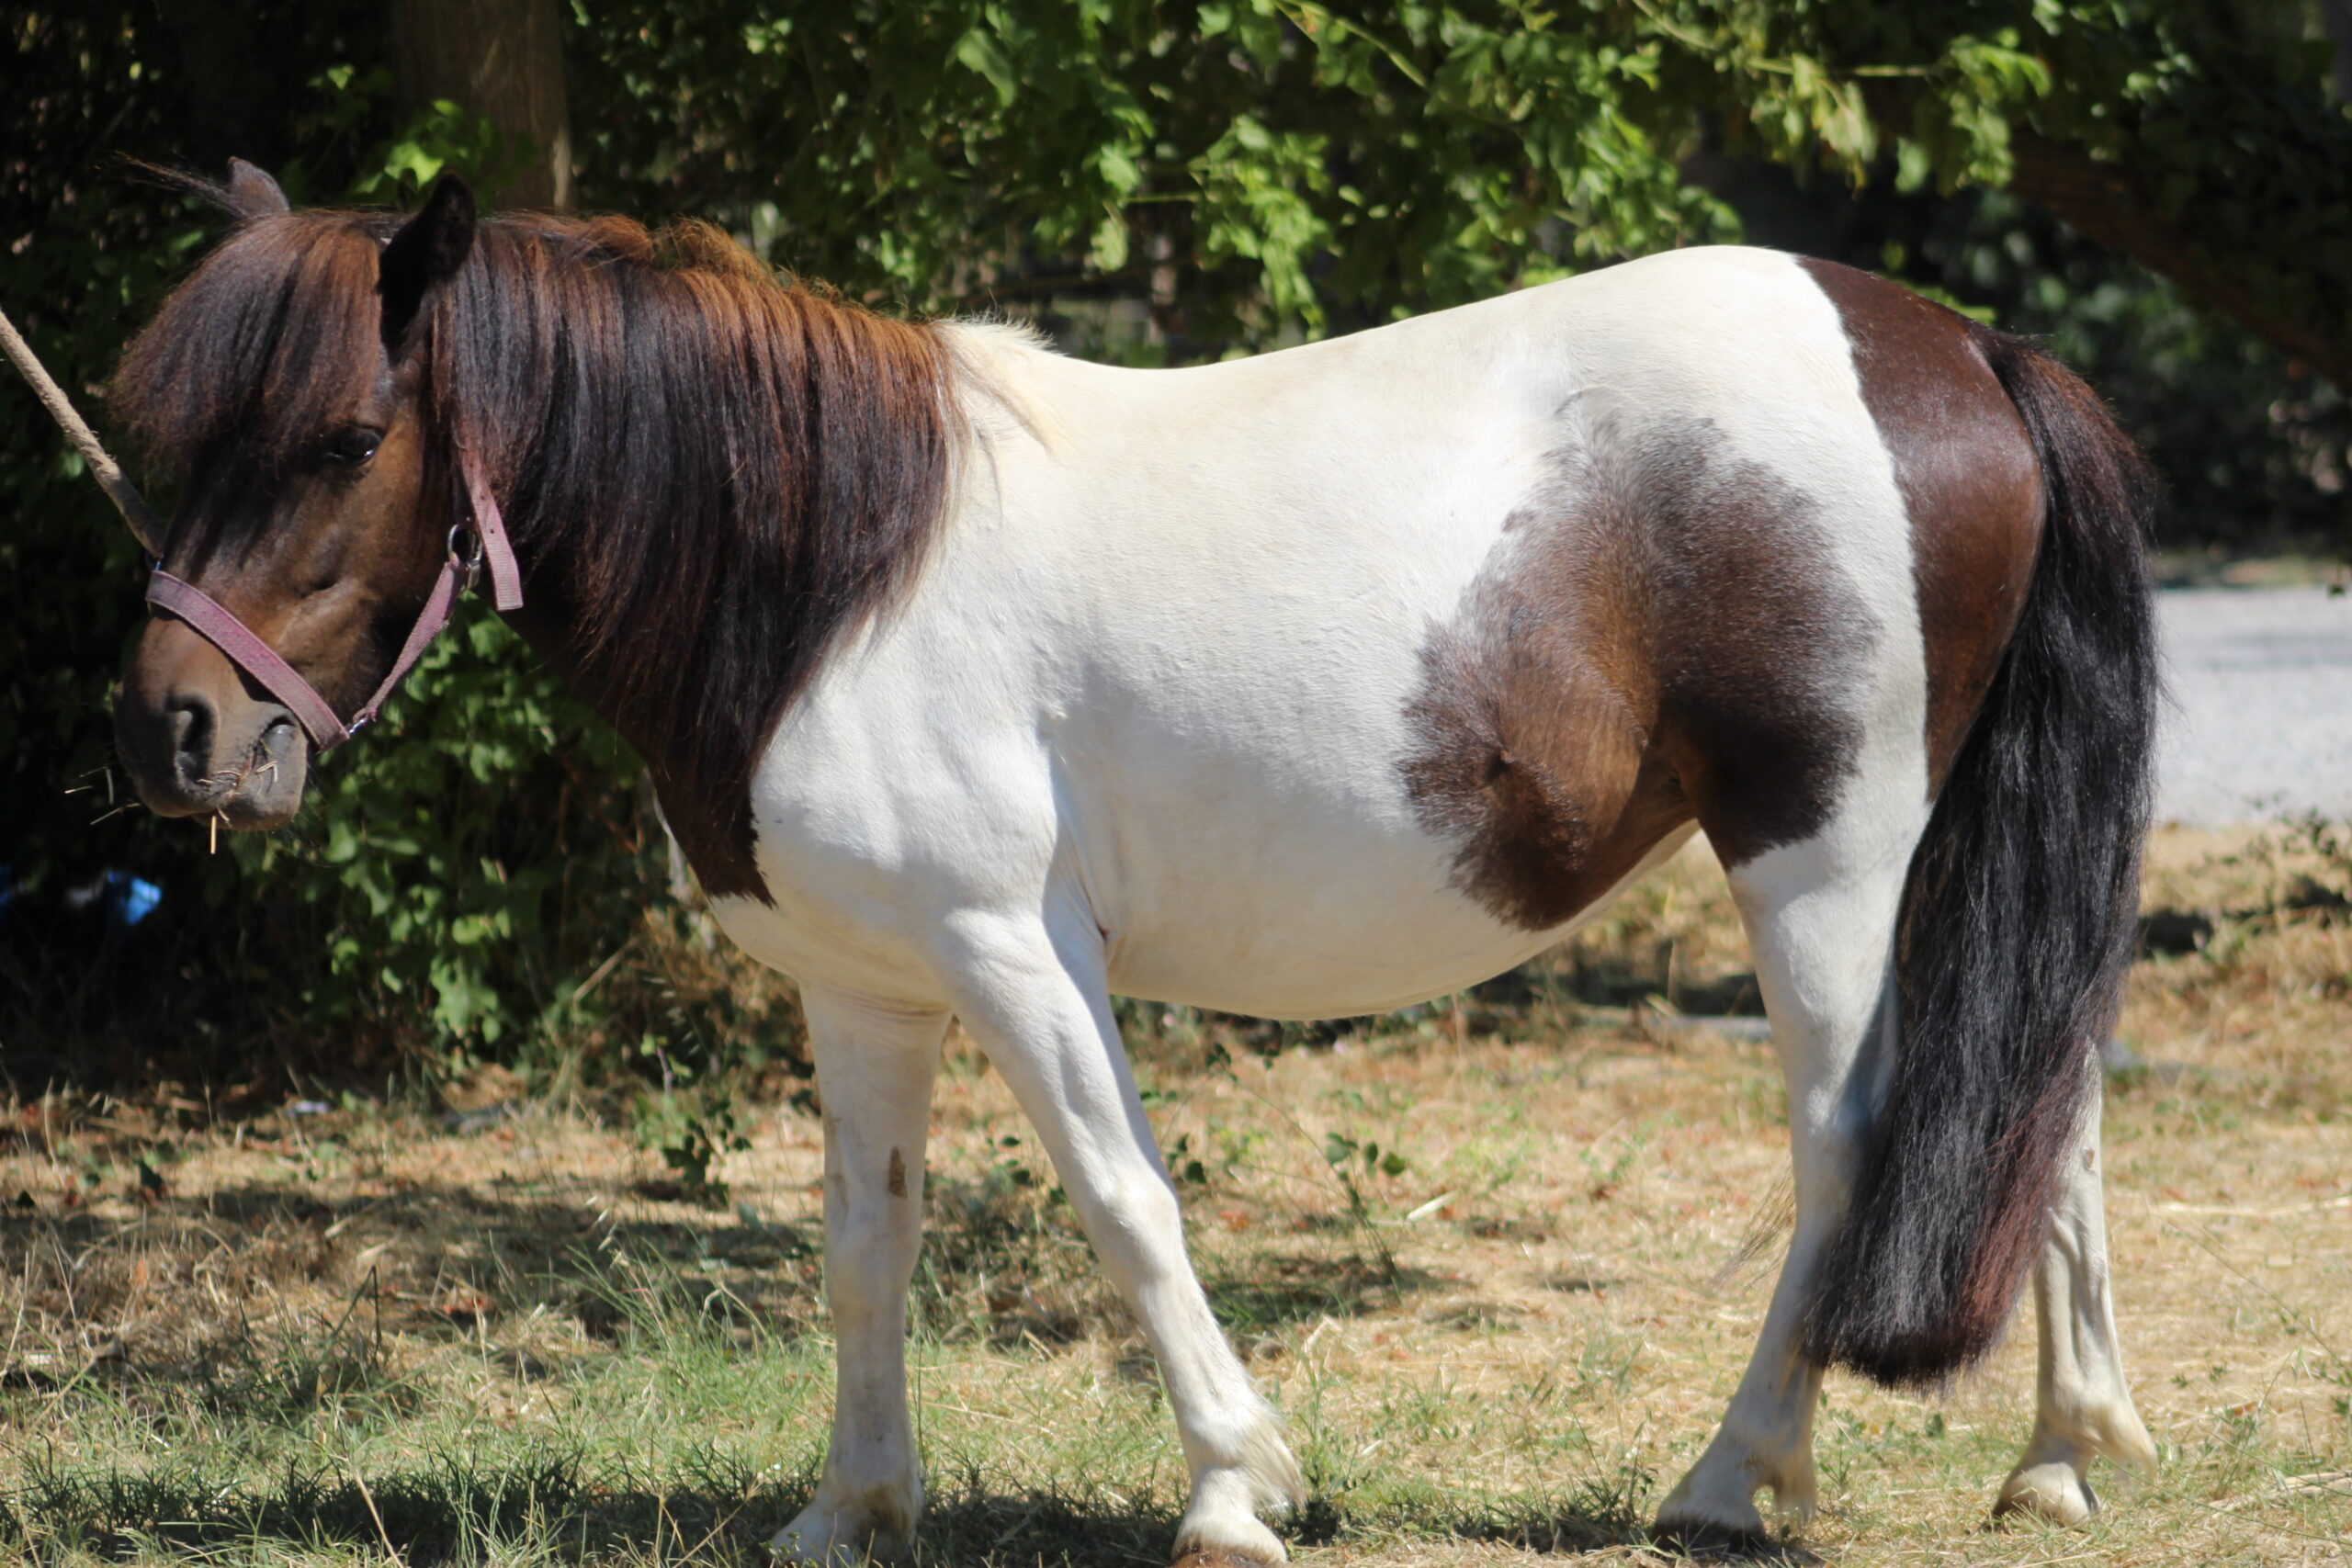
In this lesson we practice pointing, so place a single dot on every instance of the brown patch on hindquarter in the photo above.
(1970, 485)
(1661, 634)
(898, 1177)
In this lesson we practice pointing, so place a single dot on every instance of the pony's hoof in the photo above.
(1222, 1530)
(2051, 1492)
(838, 1538)
(1232, 1544)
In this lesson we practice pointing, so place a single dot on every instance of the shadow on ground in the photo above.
(149, 1305)
(1270, 1289)
(555, 1506)
(433, 1261)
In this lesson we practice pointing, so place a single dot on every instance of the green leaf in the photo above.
(980, 52)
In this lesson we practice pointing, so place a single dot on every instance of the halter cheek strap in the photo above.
(205, 615)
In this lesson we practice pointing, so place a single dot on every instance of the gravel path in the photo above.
(2260, 723)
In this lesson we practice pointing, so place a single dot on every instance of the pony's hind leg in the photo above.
(1037, 1003)
(2084, 1407)
(875, 1066)
(1820, 919)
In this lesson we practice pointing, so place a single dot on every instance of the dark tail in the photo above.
(2016, 925)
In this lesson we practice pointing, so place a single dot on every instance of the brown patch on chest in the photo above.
(1970, 485)
(1660, 635)
(713, 825)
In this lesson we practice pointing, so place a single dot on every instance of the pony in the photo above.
(977, 681)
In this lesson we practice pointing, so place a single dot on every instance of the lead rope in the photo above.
(109, 475)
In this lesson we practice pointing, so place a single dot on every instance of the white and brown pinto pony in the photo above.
(981, 682)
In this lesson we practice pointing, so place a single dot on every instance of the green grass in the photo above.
(1499, 1264)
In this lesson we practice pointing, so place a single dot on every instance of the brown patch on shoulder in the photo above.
(1661, 634)
(897, 1182)
(1970, 484)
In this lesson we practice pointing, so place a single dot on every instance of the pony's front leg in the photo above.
(1035, 1000)
(875, 1066)
(2084, 1407)
(1820, 920)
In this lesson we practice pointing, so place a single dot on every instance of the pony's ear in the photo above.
(253, 193)
(426, 253)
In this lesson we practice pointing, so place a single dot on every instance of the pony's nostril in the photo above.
(281, 741)
(191, 730)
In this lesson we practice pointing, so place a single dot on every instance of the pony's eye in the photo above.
(349, 448)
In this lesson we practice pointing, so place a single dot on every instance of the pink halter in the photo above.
(205, 617)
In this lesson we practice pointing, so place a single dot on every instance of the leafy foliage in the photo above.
(1283, 162)
(1245, 167)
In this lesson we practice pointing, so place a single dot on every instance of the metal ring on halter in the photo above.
(470, 565)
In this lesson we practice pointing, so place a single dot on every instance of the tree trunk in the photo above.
(498, 58)
(2110, 208)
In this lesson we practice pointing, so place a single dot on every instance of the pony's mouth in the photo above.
(267, 790)
(253, 787)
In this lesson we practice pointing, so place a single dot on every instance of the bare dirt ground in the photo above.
(1500, 1263)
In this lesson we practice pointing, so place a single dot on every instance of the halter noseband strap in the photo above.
(206, 617)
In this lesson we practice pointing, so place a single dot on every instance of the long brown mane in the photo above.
(712, 477)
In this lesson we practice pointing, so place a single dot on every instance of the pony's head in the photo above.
(715, 476)
(283, 385)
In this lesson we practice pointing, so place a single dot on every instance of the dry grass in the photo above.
(1500, 1262)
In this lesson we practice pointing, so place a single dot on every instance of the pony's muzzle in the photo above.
(198, 740)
